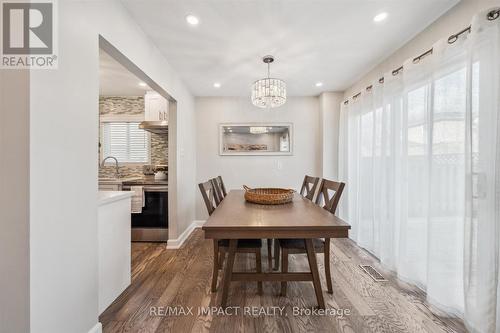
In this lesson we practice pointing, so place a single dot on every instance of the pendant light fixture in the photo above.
(268, 92)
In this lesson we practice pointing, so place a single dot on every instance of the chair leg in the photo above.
(284, 269)
(327, 266)
(269, 253)
(258, 264)
(215, 272)
(276, 254)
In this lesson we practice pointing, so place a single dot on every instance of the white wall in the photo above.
(63, 139)
(14, 201)
(256, 171)
(329, 132)
(451, 22)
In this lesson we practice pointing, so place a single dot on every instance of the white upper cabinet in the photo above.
(156, 107)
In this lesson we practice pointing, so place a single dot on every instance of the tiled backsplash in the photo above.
(119, 106)
(159, 148)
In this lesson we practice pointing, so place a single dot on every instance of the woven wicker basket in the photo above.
(268, 196)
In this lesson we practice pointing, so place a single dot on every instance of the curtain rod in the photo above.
(492, 15)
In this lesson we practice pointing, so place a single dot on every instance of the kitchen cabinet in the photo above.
(155, 107)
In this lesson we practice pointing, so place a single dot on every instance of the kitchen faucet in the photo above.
(117, 171)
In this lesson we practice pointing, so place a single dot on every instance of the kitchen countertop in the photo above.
(131, 181)
(145, 181)
(106, 197)
(116, 181)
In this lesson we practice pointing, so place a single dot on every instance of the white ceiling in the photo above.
(116, 80)
(332, 41)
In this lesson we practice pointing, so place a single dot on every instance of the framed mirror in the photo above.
(256, 139)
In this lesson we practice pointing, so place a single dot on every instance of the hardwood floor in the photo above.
(180, 279)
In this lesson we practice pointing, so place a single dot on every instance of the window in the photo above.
(125, 141)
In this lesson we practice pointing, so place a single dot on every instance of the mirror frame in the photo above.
(255, 153)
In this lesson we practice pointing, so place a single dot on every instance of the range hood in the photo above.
(157, 127)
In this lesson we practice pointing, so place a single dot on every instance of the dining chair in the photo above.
(307, 190)
(221, 246)
(220, 188)
(217, 194)
(208, 194)
(329, 193)
(309, 186)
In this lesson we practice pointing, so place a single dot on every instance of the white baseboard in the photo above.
(177, 242)
(96, 329)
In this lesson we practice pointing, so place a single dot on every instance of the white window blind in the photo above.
(125, 141)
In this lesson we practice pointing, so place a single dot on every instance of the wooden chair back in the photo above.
(309, 186)
(330, 201)
(217, 193)
(220, 189)
(209, 197)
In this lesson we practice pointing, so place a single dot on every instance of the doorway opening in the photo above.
(136, 140)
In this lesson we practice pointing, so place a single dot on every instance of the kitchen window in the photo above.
(125, 141)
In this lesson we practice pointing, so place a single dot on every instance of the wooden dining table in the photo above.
(236, 219)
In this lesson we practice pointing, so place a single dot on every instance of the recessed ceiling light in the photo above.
(193, 20)
(380, 17)
(319, 84)
(142, 84)
(216, 85)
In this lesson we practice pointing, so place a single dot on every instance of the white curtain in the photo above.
(420, 154)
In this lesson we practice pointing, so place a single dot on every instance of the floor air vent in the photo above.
(374, 274)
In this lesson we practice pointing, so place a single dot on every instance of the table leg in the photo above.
(313, 264)
(228, 270)
(215, 272)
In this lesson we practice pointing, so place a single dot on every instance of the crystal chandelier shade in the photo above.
(268, 92)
